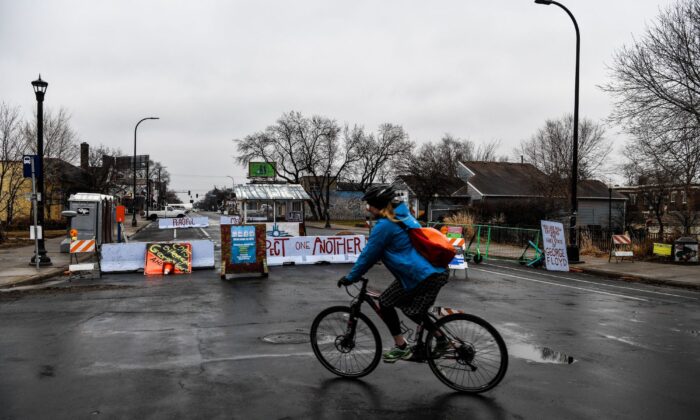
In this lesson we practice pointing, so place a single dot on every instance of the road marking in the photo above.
(595, 283)
(562, 285)
(205, 233)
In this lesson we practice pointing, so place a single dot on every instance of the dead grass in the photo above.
(464, 219)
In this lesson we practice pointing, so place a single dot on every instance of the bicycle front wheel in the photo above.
(473, 360)
(343, 348)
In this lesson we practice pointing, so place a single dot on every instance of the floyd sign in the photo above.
(555, 256)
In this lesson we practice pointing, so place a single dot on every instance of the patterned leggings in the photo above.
(414, 303)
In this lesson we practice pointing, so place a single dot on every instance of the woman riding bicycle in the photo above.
(417, 282)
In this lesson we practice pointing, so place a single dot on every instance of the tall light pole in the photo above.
(133, 201)
(40, 87)
(573, 249)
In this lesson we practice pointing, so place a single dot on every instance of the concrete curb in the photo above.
(638, 278)
(58, 270)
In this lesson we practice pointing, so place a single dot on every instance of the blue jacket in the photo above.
(390, 243)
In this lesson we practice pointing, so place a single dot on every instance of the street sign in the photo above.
(27, 166)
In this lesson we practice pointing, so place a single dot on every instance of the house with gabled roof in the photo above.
(504, 183)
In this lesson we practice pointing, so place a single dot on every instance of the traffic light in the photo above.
(189, 192)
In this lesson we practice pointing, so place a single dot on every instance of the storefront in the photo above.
(271, 203)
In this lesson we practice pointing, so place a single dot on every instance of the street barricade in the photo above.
(621, 248)
(126, 257)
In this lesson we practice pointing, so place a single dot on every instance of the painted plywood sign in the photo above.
(160, 257)
(313, 249)
(555, 256)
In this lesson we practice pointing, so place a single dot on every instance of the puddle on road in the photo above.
(539, 354)
(518, 346)
(293, 337)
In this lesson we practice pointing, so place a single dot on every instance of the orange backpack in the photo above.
(432, 245)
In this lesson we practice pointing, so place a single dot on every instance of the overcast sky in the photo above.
(214, 71)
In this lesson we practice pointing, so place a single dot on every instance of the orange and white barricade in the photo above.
(620, 248)
(82, 246)
(458, 262)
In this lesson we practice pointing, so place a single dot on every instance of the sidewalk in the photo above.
(15, 269)
(679, 275)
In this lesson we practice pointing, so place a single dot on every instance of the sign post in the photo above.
(29, 168)
(555, 256)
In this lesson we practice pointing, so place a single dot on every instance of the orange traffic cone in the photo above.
(167, 268)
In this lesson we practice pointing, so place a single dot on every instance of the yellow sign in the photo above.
(663, 249)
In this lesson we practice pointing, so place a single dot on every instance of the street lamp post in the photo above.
(40, 87)
(573, 249)
(133, 201)
(233, 183)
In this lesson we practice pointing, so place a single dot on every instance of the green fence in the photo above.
(487, 241)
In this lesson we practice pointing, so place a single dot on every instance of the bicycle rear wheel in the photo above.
(341, 350)
(475, 359)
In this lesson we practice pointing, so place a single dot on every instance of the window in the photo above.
(633, 199)
(296, 205)
(684, 198)
(673, 196)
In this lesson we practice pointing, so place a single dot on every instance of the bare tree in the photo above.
(12, 147)
(60, 140)
(656, 80)
(282, 143)
(377, 154)
(550, 150)
(302, 146)
(433, 169)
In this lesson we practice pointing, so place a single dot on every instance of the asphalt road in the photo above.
(194, 346)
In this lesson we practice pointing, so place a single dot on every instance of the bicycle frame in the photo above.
(371, 297)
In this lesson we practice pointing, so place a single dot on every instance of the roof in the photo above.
(592, 188)
(89, 197)
(270, 192)
(446, 187)
(349, 186)
(504, 178)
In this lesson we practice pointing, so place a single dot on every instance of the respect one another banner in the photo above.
(313, 249)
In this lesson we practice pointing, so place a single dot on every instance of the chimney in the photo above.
(84, 155)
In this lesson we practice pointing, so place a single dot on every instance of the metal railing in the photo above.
(490, 241)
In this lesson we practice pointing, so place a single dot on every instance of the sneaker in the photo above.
(397, 353)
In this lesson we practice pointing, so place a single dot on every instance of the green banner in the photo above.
(261, 169)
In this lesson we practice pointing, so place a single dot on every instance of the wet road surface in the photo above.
(127, 346)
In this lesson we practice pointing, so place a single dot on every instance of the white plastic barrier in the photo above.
(313, 249)
(132, 256)
(202, 254)
(116, 258)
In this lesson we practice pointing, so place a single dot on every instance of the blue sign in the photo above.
(243, 244)
(27, 166)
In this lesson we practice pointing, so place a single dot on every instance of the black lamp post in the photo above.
(573, 249)
(40, 87)
(133, 202)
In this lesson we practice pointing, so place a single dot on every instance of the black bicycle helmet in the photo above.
(379, 196)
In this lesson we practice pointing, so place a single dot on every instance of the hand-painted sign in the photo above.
(454, 232)
(242, 253)
(312, 249)
(83, 210)
(663, 249)
(282, 229)
(183, 222)
(243, 244)
(161, 255)
(555, 255)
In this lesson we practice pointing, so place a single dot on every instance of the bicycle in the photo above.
(347, 343)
